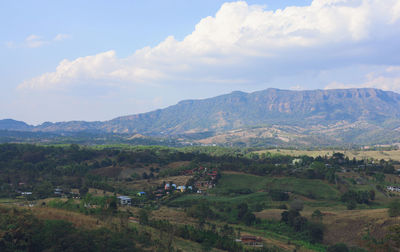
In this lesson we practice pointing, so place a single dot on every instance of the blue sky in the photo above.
(96, 60)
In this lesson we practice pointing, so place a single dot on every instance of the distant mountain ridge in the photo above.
(360, 111)
(10, 124)
(271, 106)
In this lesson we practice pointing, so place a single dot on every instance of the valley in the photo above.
(202, 198)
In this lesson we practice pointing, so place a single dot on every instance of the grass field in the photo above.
(386, 155)
(305, 187)
(229, 188)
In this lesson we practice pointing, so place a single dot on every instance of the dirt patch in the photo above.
(177, 164)
(270, 214)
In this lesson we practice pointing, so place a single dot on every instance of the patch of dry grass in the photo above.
(349, 226)
(78, 219)
(345, 226)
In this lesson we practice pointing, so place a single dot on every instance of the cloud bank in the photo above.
(248, 43)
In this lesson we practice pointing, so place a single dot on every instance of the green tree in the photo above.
(83, 190)
(243, 208)
(297, 205)
(143, 217)
(317, 215)
(43, 190)
(351, 205)
(394, 208)
(379, 177)
(372, 195)
(340, 247)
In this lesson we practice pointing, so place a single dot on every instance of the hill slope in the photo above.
(10, 124)
(279, 116)
(271, 106)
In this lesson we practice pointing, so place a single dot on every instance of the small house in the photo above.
(125, 200)
(297, 161)
(133, 219)
(181, 188)
(251, 240)
(141, 193)
(58, 191)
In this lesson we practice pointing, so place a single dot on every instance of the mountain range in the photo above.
(272, 116)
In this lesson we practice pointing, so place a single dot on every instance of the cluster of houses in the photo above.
(58, 192)
(74, 193)
(393, 188)
(159, 193)
(204, 178)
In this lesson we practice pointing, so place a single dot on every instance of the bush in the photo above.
(316, 232)
(278, 195)
(351, 205)
(282, 206)
(394, 208)
(361, 197)
(317, 215)
(297, 205)
(340, 247)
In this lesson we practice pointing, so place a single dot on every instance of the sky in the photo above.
(97, 60)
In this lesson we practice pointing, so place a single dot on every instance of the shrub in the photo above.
(394, 208)
(278, 195)
(282, 206)
(317, 215)
(340, 247)
(297, 205)
(351, 205)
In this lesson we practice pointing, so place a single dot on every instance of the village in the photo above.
(201, 179)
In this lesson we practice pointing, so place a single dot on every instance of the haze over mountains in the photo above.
(342, 116)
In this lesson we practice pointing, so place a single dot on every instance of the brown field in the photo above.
(177, 164)
(349, 226)
(174, 216)
(377, 155)
(127, 171)
(99, 192)
(78, 219)
(346, 226)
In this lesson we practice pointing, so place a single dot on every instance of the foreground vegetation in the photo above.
(220, 198)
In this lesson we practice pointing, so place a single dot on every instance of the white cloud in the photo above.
(388, 79)
(10, 44)
(297, 87)
(35, 41)
(61, 37)
(250, 44)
